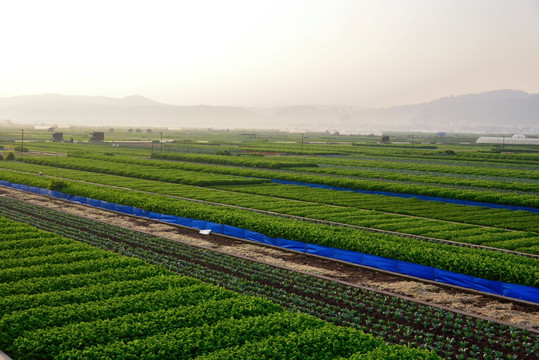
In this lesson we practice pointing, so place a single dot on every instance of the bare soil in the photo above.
(482, 305)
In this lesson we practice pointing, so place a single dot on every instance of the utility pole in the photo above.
(22, 142)
(301, 144)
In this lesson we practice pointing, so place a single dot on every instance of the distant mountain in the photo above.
(129, 111)
(499, 110)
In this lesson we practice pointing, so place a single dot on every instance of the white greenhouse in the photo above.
(514, 140)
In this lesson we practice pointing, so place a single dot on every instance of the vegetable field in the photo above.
(66, 300)
(395, 320)
(56, 285)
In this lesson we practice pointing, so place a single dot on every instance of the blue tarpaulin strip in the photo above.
(516, 291)
(453, 278)
(184, 221)
(349, 256)
(217, 228)
(234, 231)
(380, 262)
(407, 196)
(198, 224)
(489, 286)
(320, 250)
(520, 292)
(411, 269)
(253, 236)
(168, 218)
(291, 244)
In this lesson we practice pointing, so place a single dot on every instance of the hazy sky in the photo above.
(268, 53)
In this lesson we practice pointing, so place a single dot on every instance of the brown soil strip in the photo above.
(499, 309)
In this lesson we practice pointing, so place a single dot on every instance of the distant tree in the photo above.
(1, 157)
(10, 156)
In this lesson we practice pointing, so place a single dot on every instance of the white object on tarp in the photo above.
(205, 232)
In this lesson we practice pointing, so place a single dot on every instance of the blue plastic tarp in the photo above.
(93, 202)
(291, 244)
(183, 221)
(408, 196)
(154, 215)
(411, 269)
(254, 236)
(320, 250)
(33, 189)
(169, 218)
(450, 277)
(53, 193)
(140, 212)
(490, 286)
(16, 186)
(353, 257)
(216, 228)
(45, 192)
(64, 196)
(380, 262)
(198, 224)
(522, 292)
(78, 199)
(269, 240)
(107, 205)
(234, 231)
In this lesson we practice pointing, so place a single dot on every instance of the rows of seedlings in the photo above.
(396, 320)
(72, 314)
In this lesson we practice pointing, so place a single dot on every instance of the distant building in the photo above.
(98, 136)
(385, 139)
(58, 137)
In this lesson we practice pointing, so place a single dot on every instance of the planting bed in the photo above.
(396, 320)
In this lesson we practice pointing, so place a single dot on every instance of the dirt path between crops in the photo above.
(505, 311)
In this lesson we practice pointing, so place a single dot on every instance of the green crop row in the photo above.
(248, 161)
(432, 173)
(437, 179)
(433, 166)
(481, 263)
(141, 171)
(356, 184)
(346, 212)
(393, 319)
(388, 150)
(152, 314)
(521, 220)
